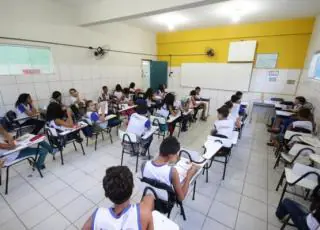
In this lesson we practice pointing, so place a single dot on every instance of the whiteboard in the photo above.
(242, 51)
(261, 81)
(20, 60)
(225, 76)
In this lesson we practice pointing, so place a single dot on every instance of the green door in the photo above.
(158, 74)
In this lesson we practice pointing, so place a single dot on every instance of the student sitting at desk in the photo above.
(224, 125)
(26, 110)
(99, 122)
(168, 108)
(118, 94)
(76, 99)
(242, 109)
(132, 87)
(299, 103)
(57, 98)
(197, 105)
(161, 90)
(104, 96)
(236, 119)
(162, 169)
(56, 119)
(138, 125)
(118, 187)
(7, 143)
(150, 99)
(302, 121)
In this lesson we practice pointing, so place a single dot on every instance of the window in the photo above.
(22, 60)
(314, 69)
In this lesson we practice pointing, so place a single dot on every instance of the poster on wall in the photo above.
(266, 61)
(273, 75)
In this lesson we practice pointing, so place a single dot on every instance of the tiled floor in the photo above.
(68, 194)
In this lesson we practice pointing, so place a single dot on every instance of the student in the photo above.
(26, 110)
(132, 87)
(223, 126)
(118, 187)
(234, 114)
(150, 99)
(76, 99)
(138, 125)
(302, 218)
(169, 109)
(303, 120)
(161, 168)
(118, 94)
(299, 103)
(56, 119)
(7, 143)
(242, 110)
(104, 96)
(161, 90)
(197, 105)
(99, 122)
(127, 99)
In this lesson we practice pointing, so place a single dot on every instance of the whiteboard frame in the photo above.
(263, 67)
(31, 46)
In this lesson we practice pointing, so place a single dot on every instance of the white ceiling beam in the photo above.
(122, 10)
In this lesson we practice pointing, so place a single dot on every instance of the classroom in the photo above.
(159, 115)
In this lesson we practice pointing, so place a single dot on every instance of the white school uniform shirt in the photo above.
(138, 124)
(224, 127)
(21, 111)
(161, 173)
(52, 124)
(312, 222)
(303, 124)
(106, 219)
(118, 95)
(10, 157)
(235, 110)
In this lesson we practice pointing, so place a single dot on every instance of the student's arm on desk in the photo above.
(182, 189)
(7, 137)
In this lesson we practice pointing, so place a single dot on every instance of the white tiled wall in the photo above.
(218, 97)
(88, 80)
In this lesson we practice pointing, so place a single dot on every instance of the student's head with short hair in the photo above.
(54, 111)
(161, 88)
(235, 99)
(142, 109)
(132, 85)
(118, 184)
(169, 99)
(300, 100)
(169, 148)
(239, 94)
(223, 112)
(229, 104)
(304, 113)
(148, 94)
(193, 93)
(90, 106)
(118, 88)
(23, 98)
(73, 92)
(56, 95)
(105, 89)
(198, 89)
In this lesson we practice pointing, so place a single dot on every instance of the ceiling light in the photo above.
(236, 18)
(171, 20)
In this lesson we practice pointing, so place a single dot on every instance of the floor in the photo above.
(67, 195)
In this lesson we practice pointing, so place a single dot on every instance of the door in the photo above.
(158, 74)
(145, 68)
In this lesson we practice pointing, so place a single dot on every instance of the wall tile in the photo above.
(7, 80)
(9, 94)
(42, 90)
(24, 79)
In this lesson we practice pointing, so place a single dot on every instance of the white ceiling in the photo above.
(77, 2)
(224, 13)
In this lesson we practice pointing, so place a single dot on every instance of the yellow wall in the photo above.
(290, 39)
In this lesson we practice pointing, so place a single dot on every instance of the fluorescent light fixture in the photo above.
(235, 18)
(171, 20)
(237, 9)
